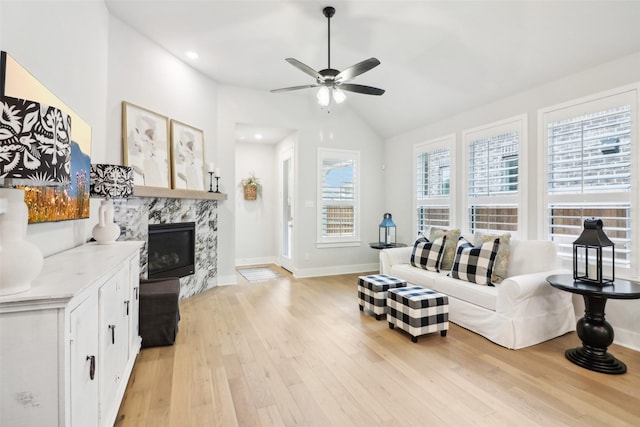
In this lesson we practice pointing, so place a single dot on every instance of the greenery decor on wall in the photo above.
(251, 186)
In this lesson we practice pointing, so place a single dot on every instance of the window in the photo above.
(493, 185)
(338, 198)
(433, 183)
(589, 165)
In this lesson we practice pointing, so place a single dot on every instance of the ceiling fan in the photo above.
(332, 82)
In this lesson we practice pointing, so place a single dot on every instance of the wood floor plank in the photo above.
(298, 352)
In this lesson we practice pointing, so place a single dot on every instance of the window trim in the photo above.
(344, 241)
(520, 124)
(585, 105)
(448, 142)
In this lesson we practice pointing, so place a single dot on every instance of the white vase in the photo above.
(106, 231)
(20, 260)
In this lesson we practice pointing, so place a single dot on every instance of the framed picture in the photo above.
(64, 202)
(187, 156)
(145, 137)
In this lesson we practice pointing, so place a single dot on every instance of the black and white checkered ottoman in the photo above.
(418, 311)
(372, 292)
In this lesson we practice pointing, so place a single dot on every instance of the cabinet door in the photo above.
(134, 304)
(83, 369)
(114, 337)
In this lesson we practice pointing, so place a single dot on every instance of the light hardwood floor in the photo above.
(298, 352)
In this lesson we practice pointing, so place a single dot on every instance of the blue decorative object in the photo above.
(387, 231)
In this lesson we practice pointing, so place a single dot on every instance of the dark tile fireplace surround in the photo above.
(134, 216)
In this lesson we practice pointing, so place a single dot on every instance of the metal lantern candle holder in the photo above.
(588, 247)
(387, 231)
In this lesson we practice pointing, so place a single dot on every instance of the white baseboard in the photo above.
(242, 262)
(626, 338)
(333, 271)
(227, 280)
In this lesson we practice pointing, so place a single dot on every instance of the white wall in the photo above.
(339, 129)
(144, 74)
(623, 315)
(256, 219)
(64, 45)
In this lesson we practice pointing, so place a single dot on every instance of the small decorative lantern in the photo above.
(588, 246)
(387, 231)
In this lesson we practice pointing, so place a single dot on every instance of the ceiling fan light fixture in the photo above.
(338, 95)
(328, 79)
(324, 96)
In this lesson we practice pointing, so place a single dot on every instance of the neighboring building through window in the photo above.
(493, 186)
(433, 183)
(338, 197)
(589, 163)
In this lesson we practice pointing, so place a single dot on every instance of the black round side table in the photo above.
(378, 245)
(594, 331)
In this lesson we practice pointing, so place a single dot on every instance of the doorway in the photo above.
(287, 199)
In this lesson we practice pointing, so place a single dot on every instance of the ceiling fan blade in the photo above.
(357, 69)
(286, 89)
(367, 90)
(305, 68)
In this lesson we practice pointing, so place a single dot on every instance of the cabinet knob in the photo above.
(136, 288)
(92, 367)
(113, 333)
(127, 304)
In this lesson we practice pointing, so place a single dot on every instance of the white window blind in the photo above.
(566, 222)
(589, 162)
(493, 170)
(590, 152)
(338, 196)
(432, 178)
(493, 165)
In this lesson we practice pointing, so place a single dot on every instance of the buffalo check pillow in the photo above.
(427, 255)
(475, 263)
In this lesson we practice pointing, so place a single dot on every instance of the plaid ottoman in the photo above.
(372, 292)
(418, 311)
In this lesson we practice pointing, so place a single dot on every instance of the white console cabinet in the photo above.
(68, 345)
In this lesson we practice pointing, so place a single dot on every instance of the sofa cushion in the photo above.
(482, 296)
(475, 263)
(449, 247)
(502, 258)
(426, 254)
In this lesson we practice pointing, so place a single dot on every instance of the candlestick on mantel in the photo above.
(211, 182)
(211, 167)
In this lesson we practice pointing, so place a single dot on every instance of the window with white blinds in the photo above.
(590, 164)
(338, 196)
(433, 182)
(493, 184)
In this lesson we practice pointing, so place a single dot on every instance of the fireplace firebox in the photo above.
(171, 250)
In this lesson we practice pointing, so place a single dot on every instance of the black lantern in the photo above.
(387, 231)
(590, 246)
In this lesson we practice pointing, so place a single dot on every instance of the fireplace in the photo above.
(171, 250)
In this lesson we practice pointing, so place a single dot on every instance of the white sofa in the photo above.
(521, 311)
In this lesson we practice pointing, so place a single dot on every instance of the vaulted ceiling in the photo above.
(438, 58)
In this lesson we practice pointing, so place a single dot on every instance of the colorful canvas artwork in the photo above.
(63, 202)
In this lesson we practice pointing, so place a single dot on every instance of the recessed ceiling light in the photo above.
(258, 136)
(191, 54)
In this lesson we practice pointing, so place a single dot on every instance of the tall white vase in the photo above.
(106, 231)
(20, 261)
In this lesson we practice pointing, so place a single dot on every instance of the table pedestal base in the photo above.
(596, 335)
(596, 361)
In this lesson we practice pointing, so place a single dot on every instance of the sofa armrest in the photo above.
(393, 256)
(518, 290)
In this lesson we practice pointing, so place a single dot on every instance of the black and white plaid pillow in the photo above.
(427, 255)
(475, 263)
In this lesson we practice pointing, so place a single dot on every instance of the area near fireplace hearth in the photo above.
(134, 216)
